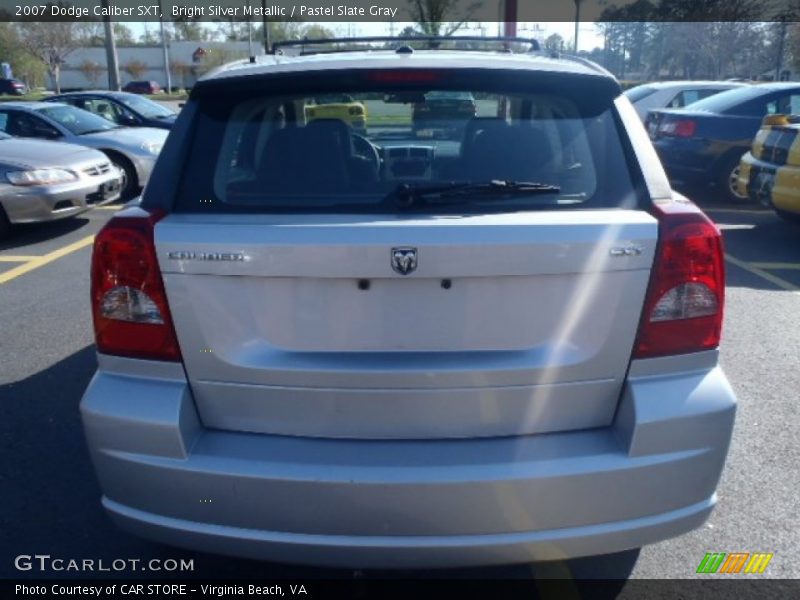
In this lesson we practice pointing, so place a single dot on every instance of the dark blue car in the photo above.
(121, 108)
(704, 142)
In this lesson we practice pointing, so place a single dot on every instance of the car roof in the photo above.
(776, 86)
(391, 59)
(89, 93)
(31, 105)
(676, 84)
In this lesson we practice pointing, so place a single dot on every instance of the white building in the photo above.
(85, 68)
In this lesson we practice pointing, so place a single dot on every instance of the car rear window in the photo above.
(273, 146)
(734, 102)
(640, 92)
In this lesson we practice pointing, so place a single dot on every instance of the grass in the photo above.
(175, 96)
(33, 96)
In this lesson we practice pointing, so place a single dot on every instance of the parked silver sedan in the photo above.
(44, 181)
(674, 94)
(133, 150)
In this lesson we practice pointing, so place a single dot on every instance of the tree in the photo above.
(191, 30)
(317, 32)
(51, 43)
(554, 43)
(123, 35)
(439, 17)
(151, 37)
(233, 29)
(408, 32)
(135, 68)
(92, 71)
(24, 65)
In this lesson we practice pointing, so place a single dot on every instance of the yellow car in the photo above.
(770, 172)
(338, 106)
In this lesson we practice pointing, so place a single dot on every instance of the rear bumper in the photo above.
(405, 504)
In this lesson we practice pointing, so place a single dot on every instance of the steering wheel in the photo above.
(366, 149)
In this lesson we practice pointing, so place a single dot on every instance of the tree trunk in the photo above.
(55, 76)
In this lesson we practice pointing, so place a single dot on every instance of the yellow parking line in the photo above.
(779, 266)
(40, 261)
(18, 258)
(751, 268)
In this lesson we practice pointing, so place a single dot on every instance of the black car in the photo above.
(13, 86)
(704, 142)
(121, 108)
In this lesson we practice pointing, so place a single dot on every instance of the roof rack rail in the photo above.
(432, 42)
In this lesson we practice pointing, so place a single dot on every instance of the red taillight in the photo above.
(684, 303)
(680, 128)
(129, 304)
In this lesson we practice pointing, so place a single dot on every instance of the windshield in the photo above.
(729, 99)
(76, 120)
(267, 151)
(639, 92)
(145, 107)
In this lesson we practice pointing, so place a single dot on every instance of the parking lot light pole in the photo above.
(164, 50)
(112, 61)
(781, 42)
(577, 24)
(265, 25)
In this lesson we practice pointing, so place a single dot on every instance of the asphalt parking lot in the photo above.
(50, 500)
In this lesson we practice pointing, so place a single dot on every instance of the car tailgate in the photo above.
(511, 323)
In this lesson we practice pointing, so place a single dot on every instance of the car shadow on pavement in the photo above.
(54, 505)
(34, 233)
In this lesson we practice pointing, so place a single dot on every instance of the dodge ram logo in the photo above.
(404, 260)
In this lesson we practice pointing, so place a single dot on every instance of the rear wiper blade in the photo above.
(408, 196)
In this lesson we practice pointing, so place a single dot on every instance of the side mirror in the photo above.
(129, 120)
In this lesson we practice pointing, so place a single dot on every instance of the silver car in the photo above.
(674, 94)
(133, 150)
(322, 346)
(45, 181)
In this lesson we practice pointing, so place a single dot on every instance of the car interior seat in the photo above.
(305, 160)
(362, 171)
(104, 110)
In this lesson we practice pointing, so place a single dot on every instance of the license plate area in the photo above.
(104, 192)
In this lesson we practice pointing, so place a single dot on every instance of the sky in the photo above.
(588, 38)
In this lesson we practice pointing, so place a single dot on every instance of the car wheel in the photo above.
(727, 178)
(5, 224)
(790, 217)
(130, 183)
